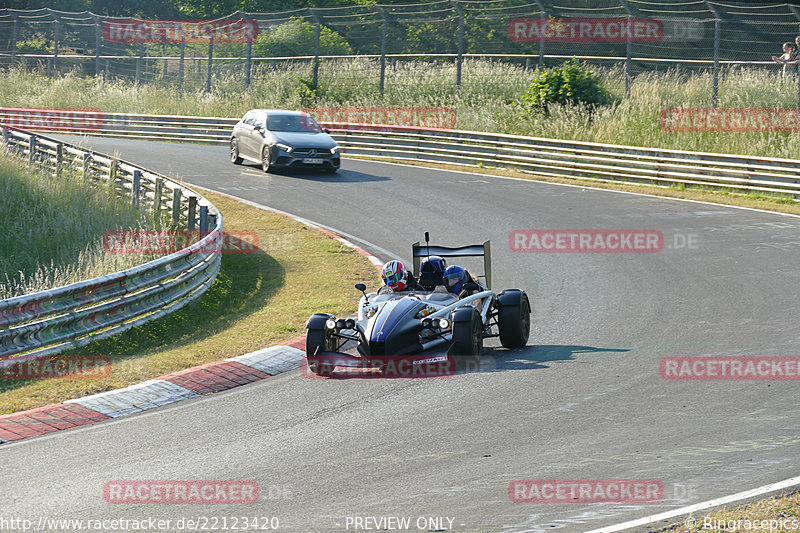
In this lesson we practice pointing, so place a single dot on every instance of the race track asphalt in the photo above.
(584, 401)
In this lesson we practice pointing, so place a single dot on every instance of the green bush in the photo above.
(296, 37)
(570, 83)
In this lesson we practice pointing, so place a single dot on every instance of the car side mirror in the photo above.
(258, 127)
(361, 287)
(326, 130)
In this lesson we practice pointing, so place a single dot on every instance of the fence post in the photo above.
(383, 48)
(460, 55)
(628, 49)
(541, 33)
(796, 14)
(192, 210)
(139, 63)
(176, 206)
(210, 62)
(248, 64)
(59, 159)
(107, 71)
(717, 31)
(55, 43)
(31, 150)
(14, 36)
(203, 220)
(315, 69)
(182, 61)
(98, 44)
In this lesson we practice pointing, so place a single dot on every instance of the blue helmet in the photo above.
(432, 265)
(454, 278)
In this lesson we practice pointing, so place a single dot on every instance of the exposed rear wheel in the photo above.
(235, 157)
(514, 319)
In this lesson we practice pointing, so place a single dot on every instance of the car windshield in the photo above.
(295, 123)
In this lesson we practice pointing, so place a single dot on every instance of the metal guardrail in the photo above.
(538, 156)
(48, 322)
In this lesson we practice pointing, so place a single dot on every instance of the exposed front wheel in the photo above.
(316, 341)
(467, 338)
(265, 159)
(235, 157)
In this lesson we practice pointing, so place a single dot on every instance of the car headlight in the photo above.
(335, 150)
(284, 147)
(330, 323)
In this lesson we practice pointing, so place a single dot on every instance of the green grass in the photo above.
(50, 237)
(488, 101)
(258, 300)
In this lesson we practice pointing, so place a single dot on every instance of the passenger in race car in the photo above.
(459, 282)
(397, 279)
(431, 272)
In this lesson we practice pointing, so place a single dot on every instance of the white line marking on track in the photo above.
(760, 491)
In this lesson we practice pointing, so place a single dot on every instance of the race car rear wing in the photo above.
(473, 250)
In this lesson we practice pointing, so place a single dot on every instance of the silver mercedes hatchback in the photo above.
(283, 139)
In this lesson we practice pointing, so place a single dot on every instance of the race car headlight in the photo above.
(335, 150)
(341, 323)
(435, 323)
(330, 323)
(283, 147)
(349, 324)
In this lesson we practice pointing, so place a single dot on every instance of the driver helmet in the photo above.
(394, 275)
(454, 278)
(433, 265)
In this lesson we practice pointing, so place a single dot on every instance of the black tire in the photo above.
(514, 319)
(316, 340)
(468, 341)
(235, 157)
(266, 159)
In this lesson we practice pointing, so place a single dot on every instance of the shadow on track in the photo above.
(533, 357)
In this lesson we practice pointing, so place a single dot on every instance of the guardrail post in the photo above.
(6, 136)
(176, 206)
(112, 174)
(157, 199)
(203, 219)
(190, 223)
(135, 190)
(32, 150)
(87, 164)
(212, 221)
(59, 159)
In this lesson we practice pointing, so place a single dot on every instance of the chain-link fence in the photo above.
(444, 44)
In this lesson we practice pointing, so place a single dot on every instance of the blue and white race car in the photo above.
(417, 328)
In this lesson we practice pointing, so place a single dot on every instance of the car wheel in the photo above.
(235, 157)
(514, 318)
(265, 159)
(467, 340)
(316, 340)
